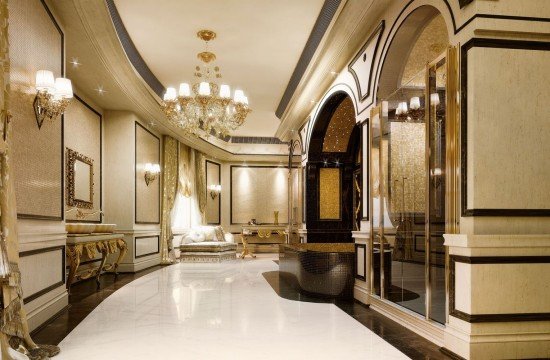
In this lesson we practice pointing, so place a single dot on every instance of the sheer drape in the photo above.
(169, 186)
(186, 213)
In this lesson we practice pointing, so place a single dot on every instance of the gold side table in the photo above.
(87, 247)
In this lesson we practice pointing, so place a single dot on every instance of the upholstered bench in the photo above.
(203, 245)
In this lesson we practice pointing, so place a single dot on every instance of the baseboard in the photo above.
(428, 330)
(139, 265)
(46, 311)
(47, 322)
(361, 294)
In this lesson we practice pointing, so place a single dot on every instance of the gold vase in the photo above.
(276, 214)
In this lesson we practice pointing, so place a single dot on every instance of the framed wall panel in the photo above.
(83, 132)
(361, 262)
(147, 198)
(36, 42)
(500, 179)
(42, 270)
(258, 191)
(146, 246)
(213, 205)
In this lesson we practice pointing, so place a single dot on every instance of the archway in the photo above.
(409, 260)
(333, 162)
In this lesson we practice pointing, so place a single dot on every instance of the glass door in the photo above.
(412, 177)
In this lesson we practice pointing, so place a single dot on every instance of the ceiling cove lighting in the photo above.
(205, 106)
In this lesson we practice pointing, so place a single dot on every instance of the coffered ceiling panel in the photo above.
(258, 45)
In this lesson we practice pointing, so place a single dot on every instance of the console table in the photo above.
(263, 232)
(87, 247)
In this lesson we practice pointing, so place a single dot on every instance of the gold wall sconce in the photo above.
(151, 172)
(215, 190)
(52, 96)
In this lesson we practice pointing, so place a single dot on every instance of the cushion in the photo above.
(209, 233)
(196, 236)
(219, 233)
(209, 246)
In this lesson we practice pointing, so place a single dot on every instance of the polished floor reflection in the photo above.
(218, 311)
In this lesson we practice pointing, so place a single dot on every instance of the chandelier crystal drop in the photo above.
(205, 107)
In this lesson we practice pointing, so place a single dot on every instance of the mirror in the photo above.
(80, 183)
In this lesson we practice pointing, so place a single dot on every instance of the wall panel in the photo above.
(258, 191)
(83, 134)
(147, 197)
(36, 43)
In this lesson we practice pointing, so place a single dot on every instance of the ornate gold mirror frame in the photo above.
(72, 158)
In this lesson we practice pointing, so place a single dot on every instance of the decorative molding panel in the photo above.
(146, 246)
(147, 198)
(42, 270)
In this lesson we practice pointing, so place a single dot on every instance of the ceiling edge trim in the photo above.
(329, 9)
(132, 52)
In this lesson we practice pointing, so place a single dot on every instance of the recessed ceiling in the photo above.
(258, 45)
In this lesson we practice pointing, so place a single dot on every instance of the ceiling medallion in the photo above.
(204, 107)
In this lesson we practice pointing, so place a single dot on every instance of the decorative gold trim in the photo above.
(72, 157)
(206, 56)
(206, 35)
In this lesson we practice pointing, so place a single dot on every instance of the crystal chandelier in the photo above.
(205, 106)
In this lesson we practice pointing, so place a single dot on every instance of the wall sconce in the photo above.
(52, 97)
(215, 190)
(151, 172)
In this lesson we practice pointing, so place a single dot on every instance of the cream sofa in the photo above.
(201, 244)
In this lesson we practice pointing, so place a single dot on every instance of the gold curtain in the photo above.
(169, 186)
(184, 175)
(200, 173)
(13, 319)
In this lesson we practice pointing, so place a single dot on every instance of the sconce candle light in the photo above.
(215, 190)
(52, 96)
(151, 172)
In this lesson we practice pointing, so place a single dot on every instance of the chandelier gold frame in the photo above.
(205, 107)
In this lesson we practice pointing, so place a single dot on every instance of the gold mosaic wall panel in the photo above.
(329, 194)
(35, 44)
(407, 167)
(147, 197)
(340, 127)
(83, 134)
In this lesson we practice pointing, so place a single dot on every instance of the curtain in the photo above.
(200, 174)
(169, 186)
(13, 319)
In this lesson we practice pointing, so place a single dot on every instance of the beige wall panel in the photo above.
(83, 134)
(256, 192)
(508, 129)
(146, 246)
(40, 271)
(511, 288)
(213, 177)
(147, 197)
(35, 44)
(463, 300)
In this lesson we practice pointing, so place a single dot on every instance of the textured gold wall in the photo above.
(407, 154)
(340, 127)
(329, 193)
(35, 44)
(83, 134)
(147, 197)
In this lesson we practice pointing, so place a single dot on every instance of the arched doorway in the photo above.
(332, 168)
(409, 153)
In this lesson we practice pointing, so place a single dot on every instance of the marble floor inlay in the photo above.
(218, 311)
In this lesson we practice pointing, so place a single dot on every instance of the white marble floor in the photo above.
(227, 311)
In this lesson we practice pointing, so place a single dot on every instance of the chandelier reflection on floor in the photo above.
(205, 106)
